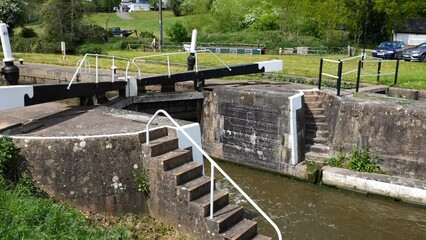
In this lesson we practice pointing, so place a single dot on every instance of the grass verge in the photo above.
(411, 74)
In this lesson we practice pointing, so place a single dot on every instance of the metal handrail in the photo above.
(213, 166)
(84, 60)
(134, 60)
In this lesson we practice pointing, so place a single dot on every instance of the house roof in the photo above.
(415, 25)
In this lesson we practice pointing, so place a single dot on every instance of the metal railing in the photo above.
(338, 76)
(213, 166)
(97, 56)
(86, 62)
(167, 55)
(358, 70)
(379, 73)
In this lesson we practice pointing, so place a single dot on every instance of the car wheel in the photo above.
(423, 58)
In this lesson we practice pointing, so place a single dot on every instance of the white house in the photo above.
(137, 5)
(412, 32)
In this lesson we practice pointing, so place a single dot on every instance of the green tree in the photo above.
(177, 32)
(13, 12)
(230, 13)
(63, 21)
(154, 4)
(191, 7)
(107, 5)
(175, 6)
(398, 10)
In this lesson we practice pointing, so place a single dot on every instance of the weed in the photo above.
(338, 161)
(9, 163)
(141, 179)
(360, 160)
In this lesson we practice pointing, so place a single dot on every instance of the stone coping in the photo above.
(404, 189)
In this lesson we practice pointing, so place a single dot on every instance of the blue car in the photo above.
(390, 50)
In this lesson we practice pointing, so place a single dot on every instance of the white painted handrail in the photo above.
(213, 166)
(134, 60)
(97, 56)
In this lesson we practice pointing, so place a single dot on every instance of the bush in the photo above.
(27, 33)
(146, 34)
(177, 33)
(93, 34)
(90, 48)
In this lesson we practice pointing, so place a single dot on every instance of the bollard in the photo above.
(10, 71)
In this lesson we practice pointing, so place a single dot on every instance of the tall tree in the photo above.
(63, 21)
(175, 6)
(12, 12)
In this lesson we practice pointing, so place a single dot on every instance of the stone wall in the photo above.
(395, 131)
(92, 174)
(250, 126)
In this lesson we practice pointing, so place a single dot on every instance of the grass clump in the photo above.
(360, 160)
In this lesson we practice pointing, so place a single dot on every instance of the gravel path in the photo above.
(124, 15)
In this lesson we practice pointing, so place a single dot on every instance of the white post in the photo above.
(5, 43)
(194, 41)
(64, 52)
(97, 68)
(113, 69)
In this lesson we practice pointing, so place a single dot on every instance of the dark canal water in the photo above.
(305, 211)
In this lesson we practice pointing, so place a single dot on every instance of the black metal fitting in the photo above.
(11, 73)
(191, 61)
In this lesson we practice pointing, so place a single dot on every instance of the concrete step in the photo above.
(314, 111)
(153, 134)
(202, 204)
(187, 172)
(311, 98)
(313, 105)
(225, 218)
(174, 158)
(317, 133)
(317, 126)
(317, 148)
(243, 230)
(163, 145)
(196, 188)
(315, 118)
(312, 140)
(261, 237)
(316, 157)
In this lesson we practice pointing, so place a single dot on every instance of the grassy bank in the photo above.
(411, 74)
(25, 216)
(27, 213)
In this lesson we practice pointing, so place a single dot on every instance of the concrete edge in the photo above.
(405, 189)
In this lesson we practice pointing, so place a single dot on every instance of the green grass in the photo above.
(411, 74)
(26, 217)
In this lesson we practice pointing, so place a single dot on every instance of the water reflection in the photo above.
(305, 211)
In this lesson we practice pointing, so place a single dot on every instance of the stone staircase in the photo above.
(180, 195)
(316, 127)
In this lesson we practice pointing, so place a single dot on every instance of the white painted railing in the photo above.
(134, 60)
(97, 56)
(213, 166)
(86, 62)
